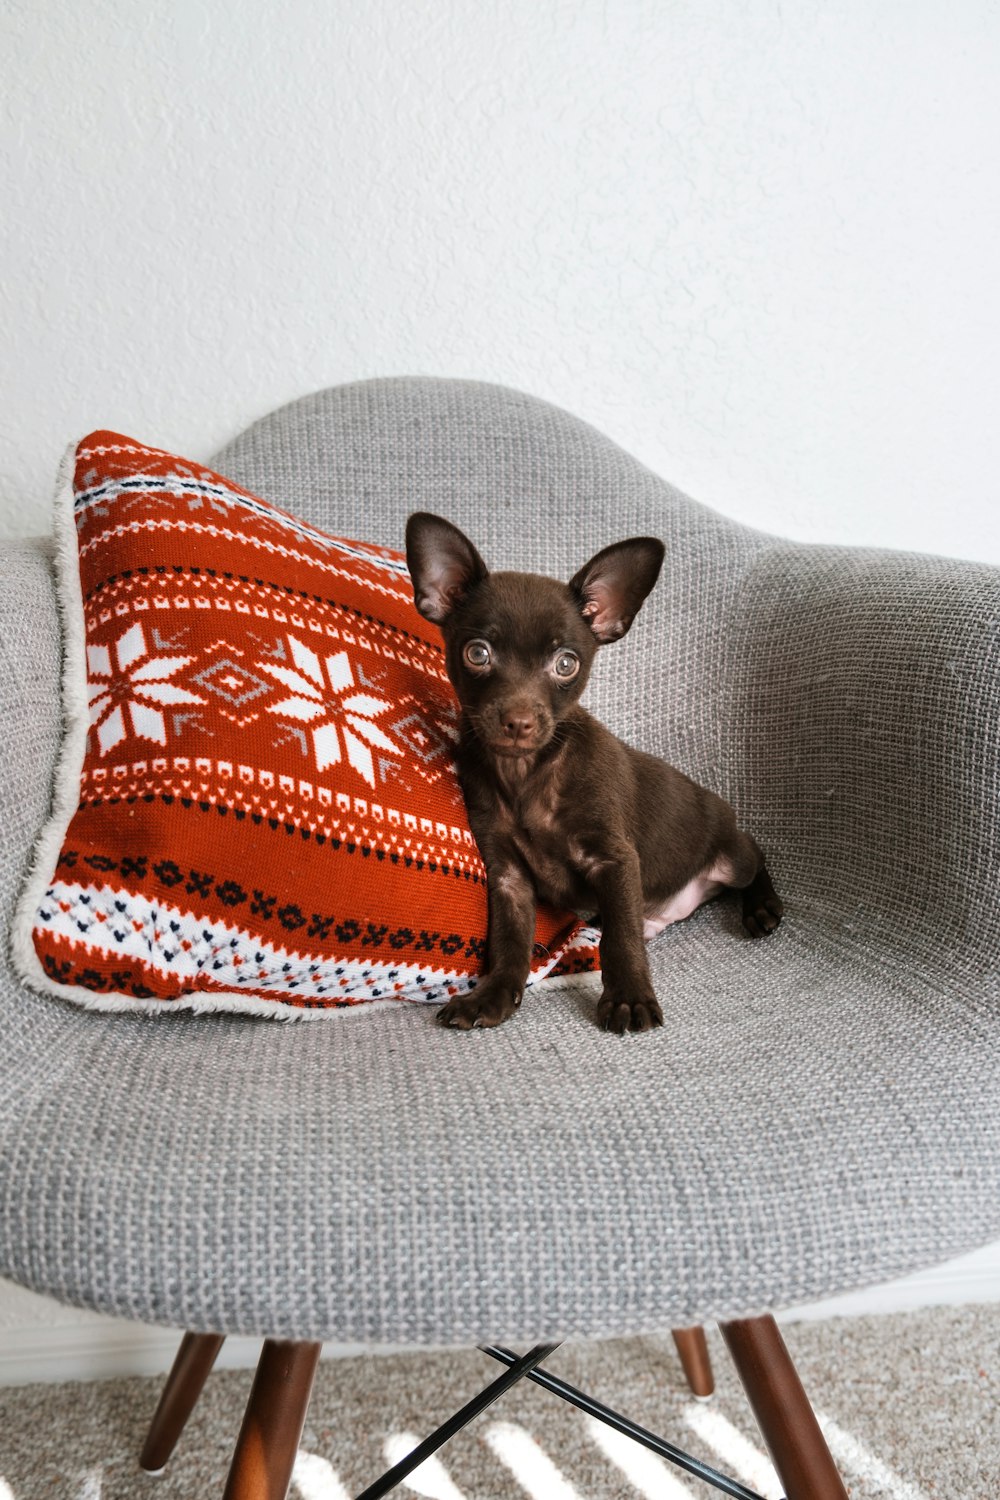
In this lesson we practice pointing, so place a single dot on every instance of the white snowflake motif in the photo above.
(326, 692)
(131, 688)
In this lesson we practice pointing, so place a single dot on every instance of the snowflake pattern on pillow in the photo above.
(256, 807)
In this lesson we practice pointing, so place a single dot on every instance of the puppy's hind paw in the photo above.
(620, 1015)
(762, 917)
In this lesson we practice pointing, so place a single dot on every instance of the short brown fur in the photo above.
(563, 811)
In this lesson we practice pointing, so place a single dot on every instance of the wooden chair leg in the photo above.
(693, 1350)
(192, 1363)
(272, 1424)
(787, 1422)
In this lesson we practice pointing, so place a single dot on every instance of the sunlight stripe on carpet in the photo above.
(851, 1454)
(733, 1448)
(534, 1471)
(430, 1479)
(652, 1477)
(315, 1478)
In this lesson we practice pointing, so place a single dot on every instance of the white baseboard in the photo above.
(41, 1342)
(97, 1350)
(107, 1348)
(971, 1278)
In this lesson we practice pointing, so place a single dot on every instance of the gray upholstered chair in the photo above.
(819, 1112)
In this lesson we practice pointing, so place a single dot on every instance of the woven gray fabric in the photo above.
(820, 1110)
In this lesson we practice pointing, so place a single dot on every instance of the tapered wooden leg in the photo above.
(787, 1422)
(272, 1424)
(193, 1361)
(693, 1350)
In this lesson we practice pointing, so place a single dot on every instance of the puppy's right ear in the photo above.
(611, 587)
(443, 564)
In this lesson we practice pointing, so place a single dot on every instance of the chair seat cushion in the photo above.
(801, 1124)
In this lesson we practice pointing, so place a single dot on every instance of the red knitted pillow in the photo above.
(256, 806)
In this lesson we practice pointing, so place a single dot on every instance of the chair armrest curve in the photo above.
(30, 706)
(864, 720)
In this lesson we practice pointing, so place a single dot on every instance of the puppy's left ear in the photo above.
(611, 587)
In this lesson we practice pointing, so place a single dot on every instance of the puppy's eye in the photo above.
(566, 665)
(478, 655)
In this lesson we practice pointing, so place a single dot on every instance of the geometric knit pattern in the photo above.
(265, 811)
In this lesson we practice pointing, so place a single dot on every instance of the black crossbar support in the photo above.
(595, 1408)
(518, 1367)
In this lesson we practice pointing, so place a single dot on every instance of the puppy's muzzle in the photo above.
(519, 729)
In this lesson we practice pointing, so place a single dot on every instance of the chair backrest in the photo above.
(536, 489)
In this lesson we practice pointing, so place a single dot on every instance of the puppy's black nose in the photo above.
(519, 726)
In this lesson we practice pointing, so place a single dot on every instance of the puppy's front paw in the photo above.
(619, 1014)
(488, 1005)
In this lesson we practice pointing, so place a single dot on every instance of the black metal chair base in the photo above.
(464, 1415)
(529, 1365)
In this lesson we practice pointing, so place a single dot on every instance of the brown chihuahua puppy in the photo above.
(563, 811)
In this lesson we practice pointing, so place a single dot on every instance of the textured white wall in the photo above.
(756, 243)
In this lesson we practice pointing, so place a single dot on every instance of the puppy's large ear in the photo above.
(611, 587)
(443, 564)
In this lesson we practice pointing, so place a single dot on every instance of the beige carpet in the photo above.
(910, 1402)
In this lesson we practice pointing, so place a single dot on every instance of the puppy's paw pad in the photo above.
(479, 1009)
(457, 1014)
(645, 1017)
(619, 1016)
(614, 1017)
(764, 917)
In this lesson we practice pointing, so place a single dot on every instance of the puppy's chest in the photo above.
(551, 851)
